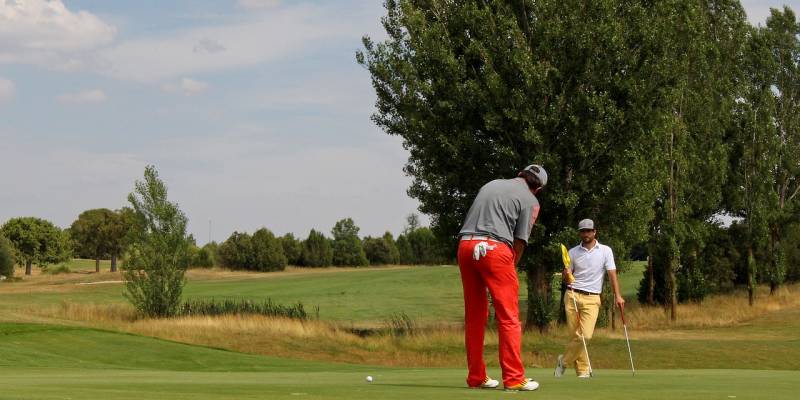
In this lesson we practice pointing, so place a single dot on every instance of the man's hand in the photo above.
(566, 276)
(620, 302)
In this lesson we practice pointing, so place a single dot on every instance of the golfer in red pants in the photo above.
(492, 239)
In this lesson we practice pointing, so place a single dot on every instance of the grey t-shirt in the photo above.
(504, 209)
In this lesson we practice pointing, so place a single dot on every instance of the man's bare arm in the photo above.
(519, 248)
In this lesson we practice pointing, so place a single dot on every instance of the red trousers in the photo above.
(496, 272)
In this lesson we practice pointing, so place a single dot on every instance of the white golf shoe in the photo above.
(560, 368)
(585, 375)
(527, 385)
(489, 383)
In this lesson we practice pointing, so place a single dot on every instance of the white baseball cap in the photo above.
(586, 224)
(539, 171)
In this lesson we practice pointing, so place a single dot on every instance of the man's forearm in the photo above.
(612, 276)
(519, 248)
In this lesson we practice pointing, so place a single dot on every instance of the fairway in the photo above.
(58, 358)
(51, 362)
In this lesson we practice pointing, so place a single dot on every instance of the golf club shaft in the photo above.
(580, 326)
(627, 340)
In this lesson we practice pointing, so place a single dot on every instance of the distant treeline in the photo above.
(102, 234)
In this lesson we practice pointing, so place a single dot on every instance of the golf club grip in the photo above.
(622, 315)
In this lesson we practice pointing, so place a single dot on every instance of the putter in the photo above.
(625, 327)
(565, 259)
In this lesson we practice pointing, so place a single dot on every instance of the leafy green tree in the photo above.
(503, 84)
(347, 248)
(267, 251)
(754, 153)
(292, 248)
(381, 250)
(90, 234)
(317, 250)
(782, 35)
(121, 229)
(159, 253)
(37, 241)
(7, 259)
(237, 251)
(698, 70)
(404, 250)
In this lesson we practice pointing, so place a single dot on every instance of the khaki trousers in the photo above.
(588, 307)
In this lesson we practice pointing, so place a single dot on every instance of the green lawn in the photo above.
(368, 296)
(53, 362)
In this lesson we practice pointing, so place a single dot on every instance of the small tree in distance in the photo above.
(381, 250)
(317, 250)
(292, 248)
(159, 253)
(37, 241)
(347, 249)
(7, 259)
(267, 251)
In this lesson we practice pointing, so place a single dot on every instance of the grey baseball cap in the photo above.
(586, 224)
(539, 171)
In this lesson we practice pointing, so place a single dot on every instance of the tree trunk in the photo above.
(651, 282)
(28, 267)
(97, 264)
(673, 290)
(113, 263)
(751, 275)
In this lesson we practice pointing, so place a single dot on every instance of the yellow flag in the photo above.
(565, 256)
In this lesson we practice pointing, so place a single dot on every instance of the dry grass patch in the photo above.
(716, 311)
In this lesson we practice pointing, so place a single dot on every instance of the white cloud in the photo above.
(86, 96)
(261, 38)
(186, 86)
(258, 3)
(47, 33)
(6, 90)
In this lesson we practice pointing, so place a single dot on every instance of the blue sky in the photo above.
(254, 112)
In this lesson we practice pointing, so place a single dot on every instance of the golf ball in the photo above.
(369, 378)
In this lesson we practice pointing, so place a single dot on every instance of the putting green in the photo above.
(54, 362)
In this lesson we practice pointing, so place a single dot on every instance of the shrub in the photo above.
(240, 307)
(58, 269)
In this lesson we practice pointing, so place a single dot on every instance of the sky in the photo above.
(254, 112)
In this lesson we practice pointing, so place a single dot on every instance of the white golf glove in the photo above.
(480, 250)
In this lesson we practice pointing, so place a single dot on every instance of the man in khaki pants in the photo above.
(588, 261)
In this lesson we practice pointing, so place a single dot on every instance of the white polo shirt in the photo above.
(589, 266)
